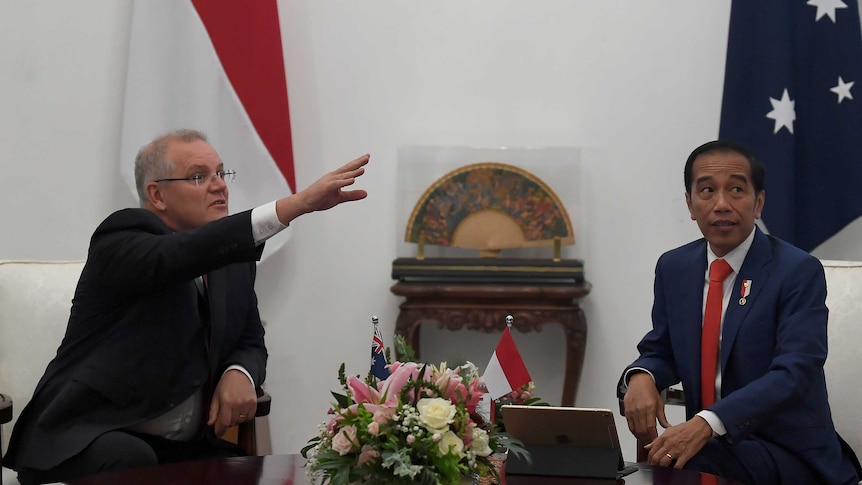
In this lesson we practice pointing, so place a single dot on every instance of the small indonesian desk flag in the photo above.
(506, 370)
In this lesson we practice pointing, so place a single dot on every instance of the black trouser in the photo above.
(118, 450)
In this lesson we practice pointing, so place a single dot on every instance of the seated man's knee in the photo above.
(746, 462)
(114, 450)
(117, 450)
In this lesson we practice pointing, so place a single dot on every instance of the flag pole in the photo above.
(509, 321)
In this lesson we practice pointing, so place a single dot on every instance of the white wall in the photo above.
(635, 85)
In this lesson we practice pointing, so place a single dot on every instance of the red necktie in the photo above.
(718, 271)
(708, 479)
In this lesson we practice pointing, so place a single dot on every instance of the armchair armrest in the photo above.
(5, 409)
(672, 397)
(5, 417)
(246, 436)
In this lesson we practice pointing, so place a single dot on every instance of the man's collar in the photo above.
(735, 257)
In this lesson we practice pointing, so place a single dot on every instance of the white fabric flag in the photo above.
(217, 67)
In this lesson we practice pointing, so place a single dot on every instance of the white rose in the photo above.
(344, 441)
(435, 414)
(451, 440)
(479, 445)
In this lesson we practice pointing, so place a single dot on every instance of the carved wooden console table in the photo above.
(483, 307)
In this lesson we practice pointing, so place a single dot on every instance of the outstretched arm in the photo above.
(325, 193)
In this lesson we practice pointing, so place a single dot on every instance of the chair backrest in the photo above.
(35, 299)
(844, 299)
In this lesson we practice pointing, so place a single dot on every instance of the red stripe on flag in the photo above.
(247, 39)
(511, 362)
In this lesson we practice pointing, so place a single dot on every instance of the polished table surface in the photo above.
(288, 470)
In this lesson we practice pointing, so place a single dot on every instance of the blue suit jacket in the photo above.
(773, 347)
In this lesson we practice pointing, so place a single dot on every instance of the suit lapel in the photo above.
(754, 268)
(218, 312)
(690, 304)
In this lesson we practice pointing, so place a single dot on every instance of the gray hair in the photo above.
(152, 163)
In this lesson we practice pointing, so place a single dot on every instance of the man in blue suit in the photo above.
(769, 421)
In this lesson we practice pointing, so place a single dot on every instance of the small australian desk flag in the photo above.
(790, 96)
(378, 354)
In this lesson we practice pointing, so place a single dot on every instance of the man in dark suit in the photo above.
(765, 418)
(164, 346)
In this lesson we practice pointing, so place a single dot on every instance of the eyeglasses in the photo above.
(199, 178)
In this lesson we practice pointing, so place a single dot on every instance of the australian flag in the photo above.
(790, 95)
(378, 356)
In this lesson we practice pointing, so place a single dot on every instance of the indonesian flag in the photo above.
(506, 370)
(216, 66)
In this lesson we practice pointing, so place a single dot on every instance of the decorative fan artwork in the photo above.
(489, 206)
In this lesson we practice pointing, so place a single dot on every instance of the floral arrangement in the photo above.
(419, 425)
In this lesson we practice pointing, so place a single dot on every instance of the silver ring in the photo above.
(242, 416)
(668, 455)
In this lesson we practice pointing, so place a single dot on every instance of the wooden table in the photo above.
(484, 307)
(288, 470)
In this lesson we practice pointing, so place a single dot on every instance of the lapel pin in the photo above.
(746, 289)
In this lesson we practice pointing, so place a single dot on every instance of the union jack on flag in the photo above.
(378, 357)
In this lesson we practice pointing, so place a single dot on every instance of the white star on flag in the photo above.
(826, 7)
(783, 112)
(843, 89)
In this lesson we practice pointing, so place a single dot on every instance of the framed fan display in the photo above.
(487, 233)
(489, 206)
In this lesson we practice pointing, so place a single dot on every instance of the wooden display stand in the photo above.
(490, 207)
(484, 307)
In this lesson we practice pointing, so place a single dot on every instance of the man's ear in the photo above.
(688, 204)
(155, 197)
(759, 202)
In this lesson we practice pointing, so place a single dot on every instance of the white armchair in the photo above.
(35, 299)
(844, 299)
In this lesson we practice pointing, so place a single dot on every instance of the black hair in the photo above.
(758, 170)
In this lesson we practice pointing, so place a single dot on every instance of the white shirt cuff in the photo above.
(265, 223)
(241, 369)
(714, 422)
(633, 371)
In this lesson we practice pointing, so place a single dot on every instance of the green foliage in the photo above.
(404, 350)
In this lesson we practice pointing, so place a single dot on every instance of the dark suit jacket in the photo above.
(773, 347)
(136, 344)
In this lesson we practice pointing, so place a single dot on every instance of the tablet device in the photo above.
(566, 441)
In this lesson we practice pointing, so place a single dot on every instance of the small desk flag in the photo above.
(218, 67)
(378, 355)
(506, 370)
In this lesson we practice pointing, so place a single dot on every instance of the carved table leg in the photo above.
(407, 325)
(575, 326)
